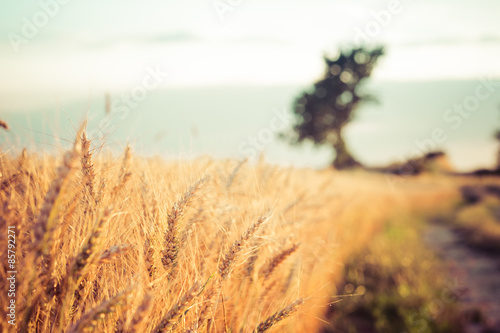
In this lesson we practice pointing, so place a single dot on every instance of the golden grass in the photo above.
(146, 245)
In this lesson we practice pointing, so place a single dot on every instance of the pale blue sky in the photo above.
(94, 45)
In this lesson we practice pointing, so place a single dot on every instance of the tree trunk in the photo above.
(343, 159)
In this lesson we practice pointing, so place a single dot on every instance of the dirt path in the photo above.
(477, 274)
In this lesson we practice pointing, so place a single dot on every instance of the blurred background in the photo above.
(191, 78)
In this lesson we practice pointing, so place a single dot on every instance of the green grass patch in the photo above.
(396, 285)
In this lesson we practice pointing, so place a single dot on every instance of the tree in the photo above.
(320, 115)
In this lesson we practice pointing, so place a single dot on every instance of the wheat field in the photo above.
(112, 243)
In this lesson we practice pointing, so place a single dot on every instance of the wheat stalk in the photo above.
(251, 261)
(177, 311)
(234, 173)
(91, 319)
(71, 284)
(140, 315)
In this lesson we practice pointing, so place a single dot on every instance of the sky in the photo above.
(88, 45)
(53, 51)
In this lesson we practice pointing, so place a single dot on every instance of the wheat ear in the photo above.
(87, 167)
(124, 172)
(278, 316)
(47, 217)
(43, 231)
(88, 251)
(274, 262)
(172, 239)
(225, 266)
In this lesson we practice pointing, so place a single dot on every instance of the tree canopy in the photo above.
(322, 113)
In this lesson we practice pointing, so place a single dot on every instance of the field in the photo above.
(127, 244)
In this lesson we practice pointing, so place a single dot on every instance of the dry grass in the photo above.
(143, 245)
